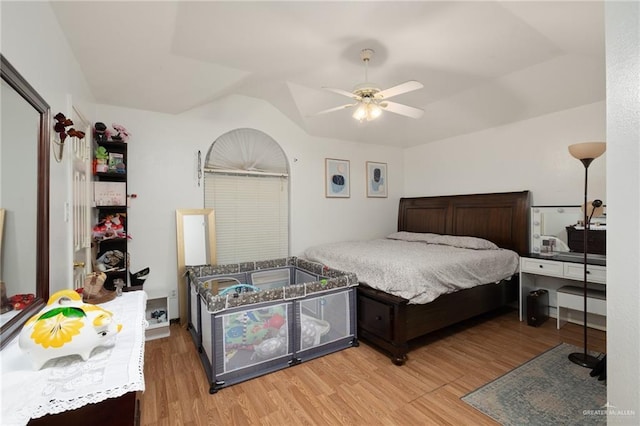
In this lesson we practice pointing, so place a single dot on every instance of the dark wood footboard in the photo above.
(389, 322)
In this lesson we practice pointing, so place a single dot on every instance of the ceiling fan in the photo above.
(371, 101)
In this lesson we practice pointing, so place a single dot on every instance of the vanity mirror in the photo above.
(559, 229)
(24, 196)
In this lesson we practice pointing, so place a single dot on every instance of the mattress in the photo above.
(419, 267)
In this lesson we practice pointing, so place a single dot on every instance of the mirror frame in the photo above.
(211, 238)
(29, 94)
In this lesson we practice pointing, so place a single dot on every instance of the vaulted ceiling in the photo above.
(482, 63)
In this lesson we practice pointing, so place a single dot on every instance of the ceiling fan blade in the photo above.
(338, 108)
(401, 109)
(405, 87)
(343, 93)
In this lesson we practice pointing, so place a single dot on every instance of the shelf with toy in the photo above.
(111, 224)
(110, 160)
(110, 195)
(112, 260)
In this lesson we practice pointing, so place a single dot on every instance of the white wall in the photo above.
(162, 172)
(34, 44)
(623, 234)
(528, 155)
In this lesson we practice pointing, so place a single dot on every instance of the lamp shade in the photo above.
(587, 150)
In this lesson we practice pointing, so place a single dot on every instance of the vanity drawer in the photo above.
(542, 267)
(595, 273)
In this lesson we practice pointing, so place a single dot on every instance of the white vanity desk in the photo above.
(83, 392)
(562, 269)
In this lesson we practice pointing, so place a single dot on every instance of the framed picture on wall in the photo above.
(336, 178)
(376, 179)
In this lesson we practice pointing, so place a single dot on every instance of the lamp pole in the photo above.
(586, 152)
(584, 359)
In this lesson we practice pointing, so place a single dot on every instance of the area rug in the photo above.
(547, 390)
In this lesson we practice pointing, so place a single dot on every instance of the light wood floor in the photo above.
(356, 386)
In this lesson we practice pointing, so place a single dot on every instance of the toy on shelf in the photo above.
(112, 226)
(100, 132)
(110, 260)
(102, 157)
(122, 134)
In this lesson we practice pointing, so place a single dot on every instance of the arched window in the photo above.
(247, 185)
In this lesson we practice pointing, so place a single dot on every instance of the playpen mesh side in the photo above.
(323, 319)
(252, 341)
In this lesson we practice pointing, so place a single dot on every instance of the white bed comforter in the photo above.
(413, 267)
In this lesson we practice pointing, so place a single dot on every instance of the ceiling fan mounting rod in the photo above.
(366, 55)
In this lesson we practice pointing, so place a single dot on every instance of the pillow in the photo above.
(446, 240)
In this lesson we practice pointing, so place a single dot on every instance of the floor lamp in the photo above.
(586, 152)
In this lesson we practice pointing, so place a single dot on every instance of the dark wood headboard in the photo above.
(502, 218)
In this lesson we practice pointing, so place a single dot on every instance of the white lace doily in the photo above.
(69, 382)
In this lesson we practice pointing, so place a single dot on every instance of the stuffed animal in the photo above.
(111, 226)
(122, 133)
(101, 155)
(100, 132)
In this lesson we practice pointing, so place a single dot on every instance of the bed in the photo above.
(390, 322)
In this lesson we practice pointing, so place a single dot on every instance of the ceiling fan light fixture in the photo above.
(367, 112)
(374, 112)
(370, 100)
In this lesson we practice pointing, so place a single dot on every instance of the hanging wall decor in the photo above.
(376, 179)
(336, 178)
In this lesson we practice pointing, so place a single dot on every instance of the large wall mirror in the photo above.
(196, 239)
(24, 198)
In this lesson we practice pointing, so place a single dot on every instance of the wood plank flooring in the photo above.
(356, 386)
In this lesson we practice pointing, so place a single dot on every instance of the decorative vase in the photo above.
(66, 326)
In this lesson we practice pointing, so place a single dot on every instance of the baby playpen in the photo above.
(254, 318)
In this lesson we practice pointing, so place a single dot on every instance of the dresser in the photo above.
(596, 240)
(69, 391)
(560, 275)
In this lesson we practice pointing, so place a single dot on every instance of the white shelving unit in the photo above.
(157, 314)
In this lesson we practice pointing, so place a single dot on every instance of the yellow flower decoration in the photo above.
(57, 327)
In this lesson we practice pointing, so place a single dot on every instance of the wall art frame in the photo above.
(377, 182)
(337, 181)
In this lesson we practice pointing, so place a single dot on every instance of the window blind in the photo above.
(252, 216)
